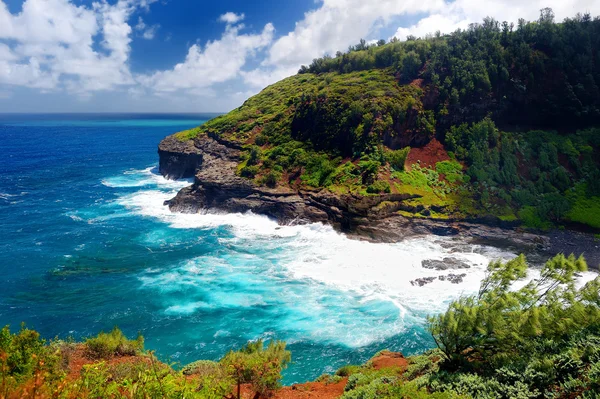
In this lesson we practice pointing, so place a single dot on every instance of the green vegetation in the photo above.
(116, 367)
(258, 366)
(538, 341)
(114, 343)
(348, 123)
(541, 340)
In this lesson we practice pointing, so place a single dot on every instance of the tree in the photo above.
(259, 366)
(501, 323)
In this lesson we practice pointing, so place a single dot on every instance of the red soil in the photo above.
(79, 359)
(389, 359)
(428, 156)
(312, 390)
(307, 390)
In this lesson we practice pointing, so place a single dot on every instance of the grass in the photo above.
(114, 343)
(585, 209)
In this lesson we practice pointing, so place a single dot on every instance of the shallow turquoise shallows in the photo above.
(86, 244)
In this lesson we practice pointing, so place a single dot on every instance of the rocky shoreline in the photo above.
(213, 164)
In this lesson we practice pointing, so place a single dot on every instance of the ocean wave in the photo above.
(309, 282)
(144, 177)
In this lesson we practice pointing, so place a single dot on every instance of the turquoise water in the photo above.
(87, 244)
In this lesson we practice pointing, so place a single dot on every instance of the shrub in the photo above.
(201, 367)
(249, 171)
(261, 139)
(259, 366)
(19, 352)
(397, 158)
(346, 371)
(481, 332)
(254, 155)
(272, 178)
(328, 379)
(379, 187)
(530, 217)
(114, 343)
(452, 170)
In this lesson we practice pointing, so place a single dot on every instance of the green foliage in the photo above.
(397, 158)
(456, 87)
(114, 343)
(379, 187)
(451, 170)
(20, 352)
(585, 209)
(271, 178)
(31, 368)
(201, 367)
(425, 179)
(346, 371)
(530, 217)
(529, 342)
(318, 171)
(259, 366)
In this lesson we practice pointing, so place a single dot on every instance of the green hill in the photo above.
(515, 108)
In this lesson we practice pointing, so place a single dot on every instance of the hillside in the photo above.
(496, 121)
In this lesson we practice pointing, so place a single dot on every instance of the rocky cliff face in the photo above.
(178, 159)
(217, 186)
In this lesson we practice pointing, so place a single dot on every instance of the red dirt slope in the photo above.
(433, 152)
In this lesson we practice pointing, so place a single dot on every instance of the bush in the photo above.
(261, 139)
(536, 341)
(346, 371)
(114, 343)
(530, 217)
(249, 171)
(259, 366)
(397, 158)
(254, 155)
(452, 170)
(201, 367)
(271, 179)
(20, 352)
(379, 187)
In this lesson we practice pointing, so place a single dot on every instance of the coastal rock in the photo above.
(178, 159)
(213, 162)
(453, 278)
(423, 281)
(444, 264)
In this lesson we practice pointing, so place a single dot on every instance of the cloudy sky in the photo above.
(201, 55)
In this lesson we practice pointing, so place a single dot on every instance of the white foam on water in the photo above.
(328, 287)
(144, 177)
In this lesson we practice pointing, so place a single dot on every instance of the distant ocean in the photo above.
(86, 244)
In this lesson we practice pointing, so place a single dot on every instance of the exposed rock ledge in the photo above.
(216, 186)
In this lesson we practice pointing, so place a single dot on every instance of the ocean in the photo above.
(86, 244)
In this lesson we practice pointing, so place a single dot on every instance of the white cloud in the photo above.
(54, 45)
(220, 60)
(336, 24)
(231, 18)
(461, 13)
(432, 24)
(145, 31)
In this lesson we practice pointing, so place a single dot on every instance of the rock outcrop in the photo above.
(213, 163)
(178, 159)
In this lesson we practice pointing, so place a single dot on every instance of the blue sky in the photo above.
(202, 56)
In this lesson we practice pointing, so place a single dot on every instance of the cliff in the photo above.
(467, 134)
(380, 218)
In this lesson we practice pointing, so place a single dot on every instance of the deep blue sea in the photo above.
(86, 244)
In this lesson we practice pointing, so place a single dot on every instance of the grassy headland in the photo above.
(497, 120)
